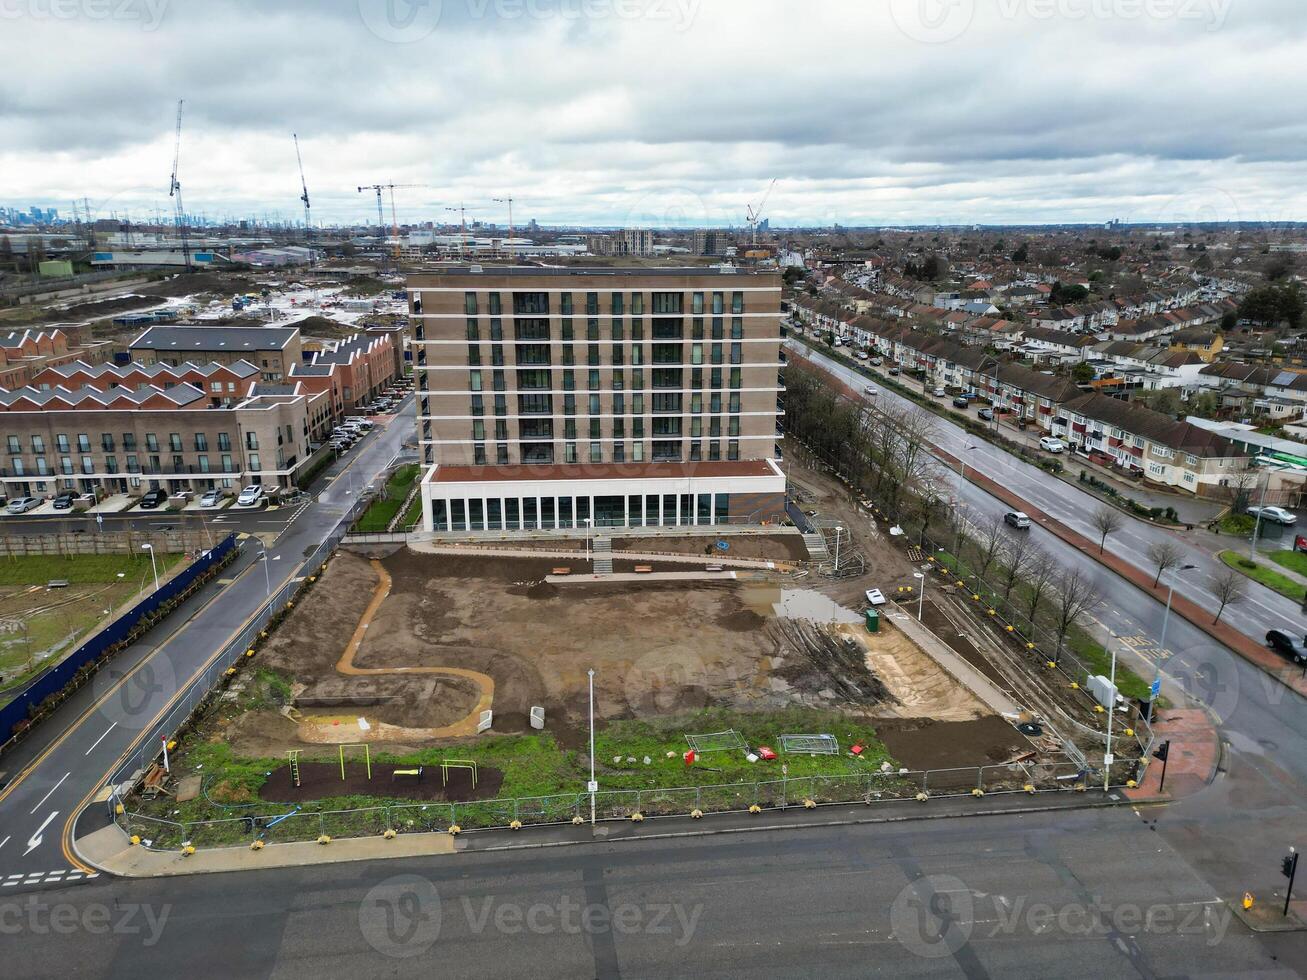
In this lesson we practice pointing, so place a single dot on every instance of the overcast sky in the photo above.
(659, 112)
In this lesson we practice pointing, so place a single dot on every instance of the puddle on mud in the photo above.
(796, 604)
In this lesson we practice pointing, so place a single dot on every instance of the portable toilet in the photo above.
(873, 620)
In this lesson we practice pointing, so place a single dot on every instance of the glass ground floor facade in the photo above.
(526, 513)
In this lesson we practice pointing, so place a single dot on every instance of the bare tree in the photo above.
(1106, 520)
(1041, 572)
(1075, 595)
(1164, 555)
(989, 544)
(1229, 591)
(1017, 554)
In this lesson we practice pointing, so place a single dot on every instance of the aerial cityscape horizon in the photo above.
(653, 488)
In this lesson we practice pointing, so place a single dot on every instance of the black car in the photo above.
(153, 499)
(1287, 644)
(64, 501)
(987, 414)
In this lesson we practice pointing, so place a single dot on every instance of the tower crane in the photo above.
(175, 191)
(509, 201)
(381, 215)
(754, 214)
(462, 214)
(304, 187)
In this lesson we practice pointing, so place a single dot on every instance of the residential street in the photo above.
(1261, 610)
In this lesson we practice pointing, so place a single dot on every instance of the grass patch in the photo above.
(1240, 524)
(79, 569)
(413, 515)
(536, 765)
(1268, 577)
(1294, 561)
(383, 510)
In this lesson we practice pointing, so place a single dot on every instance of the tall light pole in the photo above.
(586, 521)
(921, 592)
(963, 461)
(1170, 594)
(593, 786)
(153, 565)
(264, 559)
(1257, 527)
(1111, 708)
(838, 531)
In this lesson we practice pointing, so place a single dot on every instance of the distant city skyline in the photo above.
(865, 114)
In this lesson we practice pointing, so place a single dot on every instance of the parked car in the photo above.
(938, 392)
(1287, 644)
(1017, 519)
(894, 372)
(21, 505)
(986, 414)
(64, 501)
(1051, 444)
(153, 499)
(877, 361)
(961, 402)
(1277, 514)
(251, 496)
(211, 499)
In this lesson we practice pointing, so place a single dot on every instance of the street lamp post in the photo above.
(921, 592)
(593, 786)
(963, 461)
(838, 531)
(153, 565)
(1111, 708)
(1166, 619)
(1257, 526)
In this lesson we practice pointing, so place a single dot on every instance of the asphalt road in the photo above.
(1085, 893)
(1237, 829)
(100, 729)
(1261, 610)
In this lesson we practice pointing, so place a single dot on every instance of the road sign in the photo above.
(1156, 689)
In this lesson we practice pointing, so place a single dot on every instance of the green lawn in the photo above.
(1294, 561)
(1241, 524)
(382, 510)
(1268, 577)
(535, 764)
(79, 569)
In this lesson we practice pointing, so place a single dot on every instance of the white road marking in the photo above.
(100, 739)
(52, 789)
(4, 842)
(34, 841)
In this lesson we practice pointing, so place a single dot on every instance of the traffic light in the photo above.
(1286, 865)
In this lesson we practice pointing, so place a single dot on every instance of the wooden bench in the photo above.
(643, 569)
(564, 570)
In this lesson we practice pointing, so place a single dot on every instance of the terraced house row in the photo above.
(1161, 449)
(176, 424)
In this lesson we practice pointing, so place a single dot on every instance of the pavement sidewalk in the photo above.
(108, 850)
(1192, 761)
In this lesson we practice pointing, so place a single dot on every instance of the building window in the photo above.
(666, 303)
(495, 308)
(470, 303)
(696, 305)
(474, 380)
(733, 449)
(737, 302)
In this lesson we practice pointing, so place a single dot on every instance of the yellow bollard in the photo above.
(1247, 901)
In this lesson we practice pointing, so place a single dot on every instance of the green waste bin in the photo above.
(873, 621)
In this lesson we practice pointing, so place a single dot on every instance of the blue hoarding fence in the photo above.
(17, 717)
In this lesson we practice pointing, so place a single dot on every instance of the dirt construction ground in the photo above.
(657, 648)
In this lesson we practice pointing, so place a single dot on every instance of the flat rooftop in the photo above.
(215, 338)
(609, 272)
(525, 473)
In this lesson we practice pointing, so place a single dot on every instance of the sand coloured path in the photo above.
(311, 732)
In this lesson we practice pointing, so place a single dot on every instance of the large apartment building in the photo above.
(572, 397)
